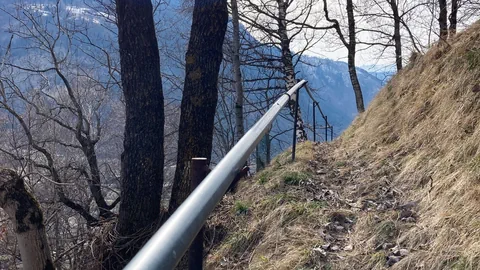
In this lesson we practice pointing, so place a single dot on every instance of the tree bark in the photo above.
(442, 20)
(200, 93)
(396, 35)
(27, 218)
(352, 43)
(94, 180)
(288, 69)
(240, 130)
(453, 19)
(351, 48)
(143, 157)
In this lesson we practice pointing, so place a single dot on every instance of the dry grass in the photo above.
(279, 226)
(425, 122)
(419, 141)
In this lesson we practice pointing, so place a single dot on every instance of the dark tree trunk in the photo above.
(27, 218)
(453, 18)
(288, 68)
(442, 20)
(200, 93)
(142, 159)
(396, 35)
(351, 58)
(94, 180)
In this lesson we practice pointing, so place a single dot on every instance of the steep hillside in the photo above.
(399, 189)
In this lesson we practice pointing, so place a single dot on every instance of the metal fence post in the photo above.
(326, 128)
(198, 171)
(314, 126)
(294, 146)
(331, 133)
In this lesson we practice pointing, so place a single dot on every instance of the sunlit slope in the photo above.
(425, 125)
(399, 189)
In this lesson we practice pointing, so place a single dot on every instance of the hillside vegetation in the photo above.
(399, 189)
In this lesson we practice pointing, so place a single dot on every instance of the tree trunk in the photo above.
(200, 93)
(453, 19)
(94, 181)
(288, 69)
(240, 130)
(351, 58)
(442, 19)
(396, 35)
(143, 157)
(27, 218)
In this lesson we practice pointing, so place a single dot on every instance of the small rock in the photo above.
(381, 207)
(335, 248)
(349, 221)
(326, 246)
(328, 237)
(409, 205)
(339, 228)
(348, 248)
(391, 260)
(403, 252)
(321, 172)
(395, 251)
(328, 192)
(320, 251)
(406, 213)
(410, 220)
(384, 246)
(387, 246)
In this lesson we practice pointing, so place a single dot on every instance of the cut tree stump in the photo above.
(26, 215)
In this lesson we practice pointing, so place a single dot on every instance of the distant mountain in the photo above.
(329, 78)
(334, 91)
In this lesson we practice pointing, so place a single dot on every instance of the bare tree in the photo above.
(351, 48)
(279, 22)
(240, 130)
(386, 24)
(453, 19)
(442, 20)
(68, 110)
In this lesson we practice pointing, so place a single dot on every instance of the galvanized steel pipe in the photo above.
(169, 243)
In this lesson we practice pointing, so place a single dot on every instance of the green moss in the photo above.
(385, 232)
(244, 241)
(341, 163)
(475, 163)
(241, 208)
(302, 210)
(473, 58)
(295, 178)
(317, 204)
(378, 258)
(264, 177)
